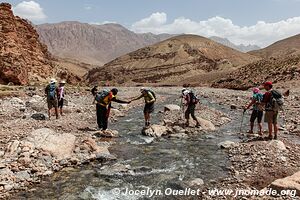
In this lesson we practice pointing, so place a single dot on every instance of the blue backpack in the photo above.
(52, 92)
(101, 95)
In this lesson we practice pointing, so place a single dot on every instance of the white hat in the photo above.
(63, 82)
(52, 81)
(185, 92)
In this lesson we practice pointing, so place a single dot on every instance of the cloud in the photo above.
(30, 10)
(87, 7)
(101, 23)
(262, 33)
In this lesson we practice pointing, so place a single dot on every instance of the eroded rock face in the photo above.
(21, 55)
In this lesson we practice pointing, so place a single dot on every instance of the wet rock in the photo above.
(226, 144)
(155, 131)
(287, 183)
(106, 133)
(117, 113)
(206, 125)
(178, 135)
(92, 146)
(59, 145)
(171, 107)
(38, 116)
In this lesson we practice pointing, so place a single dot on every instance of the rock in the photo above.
(16, 101)
(233, 107)
(36, 103)
(8, 187)
(22, 109)
(178, 129)
(22, 175)
(171, 107)
(277, 145)
(59, 145)
(106, 133)
(206, 125)
(226, 144)
(93, 147)
(178, 135)
(38, 116)
(196, 182)
(287, 183)
(12, 149)
(155, 131)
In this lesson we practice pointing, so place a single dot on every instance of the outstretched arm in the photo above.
(120, 101)
(137, 98)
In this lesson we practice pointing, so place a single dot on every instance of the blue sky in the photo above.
(238, 17)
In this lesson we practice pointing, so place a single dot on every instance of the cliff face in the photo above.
(22, 57)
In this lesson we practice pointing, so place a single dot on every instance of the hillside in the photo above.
(171, 62)
(93, 44)
(280, 70)
(286, 47)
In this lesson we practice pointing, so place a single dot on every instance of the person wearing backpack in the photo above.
(149, 98)
(257, 112)
(103, 101)
(190, 102)
(271, 100)
(51, 92)
(61, 96)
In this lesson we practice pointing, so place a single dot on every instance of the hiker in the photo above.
(103, 104)
(149, 98)
(190, 102)
(61, 95)
(271, 108)
(257, 112)
(51, 92)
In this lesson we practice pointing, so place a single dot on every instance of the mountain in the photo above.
(93, 44)
(286, 47)
(282, 69)
(23, 58)
(241, 47)
(170, 62)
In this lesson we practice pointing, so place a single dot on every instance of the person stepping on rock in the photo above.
(190, 102)
(150, 98)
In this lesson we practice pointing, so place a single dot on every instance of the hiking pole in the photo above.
(242, 120)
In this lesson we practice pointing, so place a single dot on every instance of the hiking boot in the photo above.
(275, 137)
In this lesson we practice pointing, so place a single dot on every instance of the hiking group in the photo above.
(268, 105)
(271, 103)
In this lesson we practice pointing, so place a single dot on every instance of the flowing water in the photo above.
(156, 164)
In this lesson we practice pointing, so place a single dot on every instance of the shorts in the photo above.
(271, 117)
(60, 103)
(149, 108)
(256, 114)
(52, 103)
(190, 111)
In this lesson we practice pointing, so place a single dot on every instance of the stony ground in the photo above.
(255, 162)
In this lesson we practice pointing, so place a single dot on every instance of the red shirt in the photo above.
(267, 97)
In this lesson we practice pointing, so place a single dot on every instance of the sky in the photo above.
(260, 22)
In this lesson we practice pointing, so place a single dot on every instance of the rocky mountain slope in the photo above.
(280, 63)
(93, 44)
(283, 69)
(240, 47)
(286, 47)
(23, 58)
(170, 62)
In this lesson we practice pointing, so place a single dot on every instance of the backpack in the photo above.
(276, 101)
(258, 98)
(152, 92)
(194, 98)
(52, 92)
(101, 95)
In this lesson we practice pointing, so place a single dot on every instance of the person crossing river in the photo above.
(150, 98)
(103, 101)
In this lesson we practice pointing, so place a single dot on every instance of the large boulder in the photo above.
(60, 146)
(171, 107)
(277, 144)
(288, 183)
(155, 131)
(206, 125)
